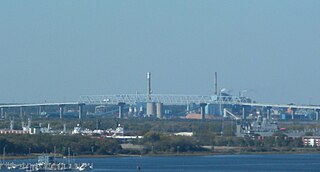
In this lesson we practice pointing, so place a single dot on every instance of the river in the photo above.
(225, 163)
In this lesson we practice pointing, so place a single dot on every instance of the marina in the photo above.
(46, 163)
(209, 163)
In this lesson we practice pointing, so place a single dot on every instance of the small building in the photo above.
(188, 134)
(35, 130)
(313, 141)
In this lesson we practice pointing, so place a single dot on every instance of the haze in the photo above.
(58, 50)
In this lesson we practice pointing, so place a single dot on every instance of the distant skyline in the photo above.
(58, 50)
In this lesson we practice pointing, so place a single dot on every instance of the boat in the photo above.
(85, 167)
(48, 163)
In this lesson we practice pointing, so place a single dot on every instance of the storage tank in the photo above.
(150, 109)
(159, 110)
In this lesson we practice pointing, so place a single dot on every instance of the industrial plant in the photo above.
(249, 116)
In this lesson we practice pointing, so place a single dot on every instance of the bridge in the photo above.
(169, 99)
(37, 104)
(41, 106)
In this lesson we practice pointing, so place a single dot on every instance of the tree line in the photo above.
(158, 138)
(61, 144)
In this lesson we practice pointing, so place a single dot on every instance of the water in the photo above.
(226, 163)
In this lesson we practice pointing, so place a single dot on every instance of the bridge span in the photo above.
(169, 99)
(166, 99)
(41, 106)
(37, 104)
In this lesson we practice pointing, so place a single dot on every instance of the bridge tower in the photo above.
(317, 114)
(203, 110)
(81, 106)
(269, 112)
(2, 113)
(21, 112)
(293, 112)
(121, 104)
(61, 110)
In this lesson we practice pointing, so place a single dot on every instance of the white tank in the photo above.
(159, 110)
(150, 109)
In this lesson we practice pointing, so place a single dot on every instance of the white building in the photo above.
(313, 141)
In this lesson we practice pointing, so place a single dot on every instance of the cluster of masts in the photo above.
(46, 163)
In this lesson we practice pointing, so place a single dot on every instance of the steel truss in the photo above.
(166, 99)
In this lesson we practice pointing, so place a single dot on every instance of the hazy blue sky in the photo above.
(59, 50)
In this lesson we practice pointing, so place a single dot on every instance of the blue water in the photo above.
(226, 163)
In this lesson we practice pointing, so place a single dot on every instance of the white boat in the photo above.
(85, 167)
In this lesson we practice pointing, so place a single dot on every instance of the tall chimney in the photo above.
(216, 83)
(149, 86)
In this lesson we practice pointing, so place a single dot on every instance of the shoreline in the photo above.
(229, 152)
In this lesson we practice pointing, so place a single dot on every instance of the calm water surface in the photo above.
(231, 163)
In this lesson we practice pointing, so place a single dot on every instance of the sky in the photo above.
(56, 50)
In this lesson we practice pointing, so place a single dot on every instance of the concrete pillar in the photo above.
(269, 112)
(61, 110)
(317, 114)
(121, 104)
(21, 112)
(159, 110)
(293, 112)
(41, 108)
(188, 107)
(243, 114)
(203, 110)
(2, 113)
(81, 106)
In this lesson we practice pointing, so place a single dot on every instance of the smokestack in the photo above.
(149, 85)
(216, 83)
